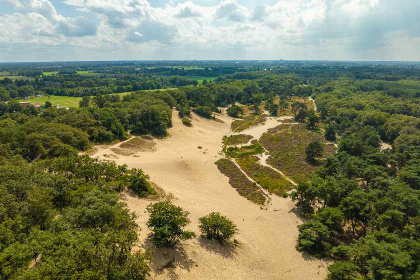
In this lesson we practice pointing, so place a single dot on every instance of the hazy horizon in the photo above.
(127, 30)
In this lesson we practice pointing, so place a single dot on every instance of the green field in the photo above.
(52, 73)
(200, 79)
(62, 101)
(87, 73)
(67, 101)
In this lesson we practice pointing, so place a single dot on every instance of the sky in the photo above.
(72, 30)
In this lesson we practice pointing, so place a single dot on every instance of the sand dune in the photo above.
(267, 237)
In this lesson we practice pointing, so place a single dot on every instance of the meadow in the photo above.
(200, 79)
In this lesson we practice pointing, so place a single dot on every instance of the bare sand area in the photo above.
(267, 237)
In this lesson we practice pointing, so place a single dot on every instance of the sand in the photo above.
(267, 237)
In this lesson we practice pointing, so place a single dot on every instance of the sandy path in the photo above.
(267, 237)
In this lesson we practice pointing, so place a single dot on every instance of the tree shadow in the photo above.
(226, 250)
(298, 214)
(167, 260)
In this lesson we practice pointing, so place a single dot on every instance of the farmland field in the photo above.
(62, 101)
(66, 101)
(200, 79)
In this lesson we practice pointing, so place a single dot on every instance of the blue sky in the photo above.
(62, 30)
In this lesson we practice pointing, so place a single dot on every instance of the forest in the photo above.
(60, 212)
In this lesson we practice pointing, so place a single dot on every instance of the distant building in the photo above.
(37, 105)
(25, 104)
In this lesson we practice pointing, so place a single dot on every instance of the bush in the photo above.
(167, 222)
(186, 121)
(204, 111)
(217, 226)
(313, 238)
(234, 111)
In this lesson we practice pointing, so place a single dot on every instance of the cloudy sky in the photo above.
(62, 30)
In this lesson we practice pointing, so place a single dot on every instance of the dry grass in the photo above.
(240, 182)
(286, 144)
(264, 176)
(134, 145)
(237, 139)
(245, 151)
(246, 122)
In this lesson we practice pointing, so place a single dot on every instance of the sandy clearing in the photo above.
(267, 237)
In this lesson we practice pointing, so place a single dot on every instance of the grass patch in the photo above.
(138, 144)
(286, 144)
(87, 73)
(62, 101)
(50, 73)
(240, 182)
(237, 139)
(246, 122)
(17, 77)
(200, 79)
(269, 179)
(245, 151)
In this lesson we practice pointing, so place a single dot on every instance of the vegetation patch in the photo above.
(240, 182)
(287, 145)
(254, 149)
(237, 139)
(138, 144)
(269, 179)
(246, 122)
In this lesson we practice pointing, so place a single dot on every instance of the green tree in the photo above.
(313, 150)
(217, 226)
(4, 96)
(329, 133)
(167, 222)
(343, 270)
(85, 101)
(47, 104)
(313, 238)
(234, 111)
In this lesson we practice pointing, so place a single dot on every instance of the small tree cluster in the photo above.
(217, 226)
(167, 222)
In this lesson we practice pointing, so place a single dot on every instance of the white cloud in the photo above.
(333, 29)
(230, 10)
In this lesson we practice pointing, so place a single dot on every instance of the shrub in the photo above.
(217, 226)
(204, 111)
(186, 121)
(234, 111)
(313, 237)
(167, 222)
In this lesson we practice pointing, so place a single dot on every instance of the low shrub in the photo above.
(186, 121)
(217, 226)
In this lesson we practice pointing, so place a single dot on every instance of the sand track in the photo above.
(267, 237)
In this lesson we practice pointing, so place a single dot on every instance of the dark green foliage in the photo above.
(313, 150)
(343, 270)
(167, 222)
(313, 238)
(63, 213)
(365, 196)
(204, 111)
(329, 133)
(85, 101)
(234, 111)
(217, 226)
